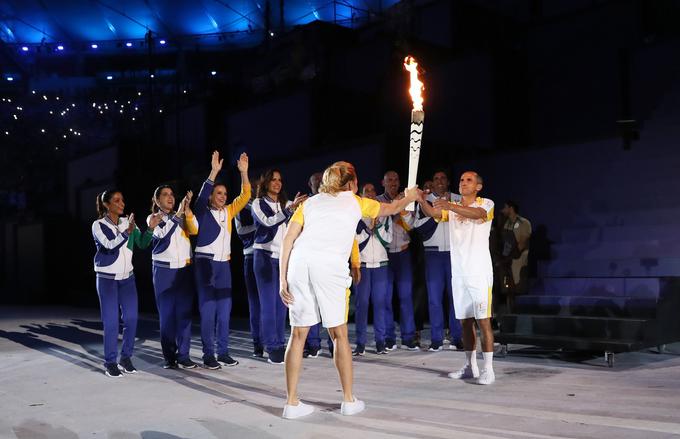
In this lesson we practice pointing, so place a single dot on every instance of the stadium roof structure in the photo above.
(69, 25)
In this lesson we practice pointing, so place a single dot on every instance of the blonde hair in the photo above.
(336, 178)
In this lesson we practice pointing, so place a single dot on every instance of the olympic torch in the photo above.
(417, 119)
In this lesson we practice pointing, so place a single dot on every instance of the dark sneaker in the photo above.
(226, 360)
(411, 346)
(258, 351)
(187, 364)
(435, 347)
(312, 352)
(359, 350)
(276, 356)
(127, 366)
(380, 348)
(458, 346)
(390, 345)
(113, 371)
(211, 363)
(170, 364)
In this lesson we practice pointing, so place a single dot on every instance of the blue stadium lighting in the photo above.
(94, 46)
(24, 48)
(162, 42)
(128, 44)
(60, 47)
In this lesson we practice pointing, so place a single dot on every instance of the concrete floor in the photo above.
(52, 386)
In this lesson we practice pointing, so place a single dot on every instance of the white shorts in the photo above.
(472, 296)
(319, 294)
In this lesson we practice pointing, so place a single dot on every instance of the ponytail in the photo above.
(102, 198)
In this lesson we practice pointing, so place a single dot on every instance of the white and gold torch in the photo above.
(417, 119)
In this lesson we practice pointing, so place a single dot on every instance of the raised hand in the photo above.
(215, 165)
(155, 220)
(413, 193)
(242, 163)
(131, 223)
(299, 198)
(187, 202)
(216, 162)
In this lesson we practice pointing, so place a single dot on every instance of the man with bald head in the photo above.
(436, 243)
(469, 222)
(400, 273)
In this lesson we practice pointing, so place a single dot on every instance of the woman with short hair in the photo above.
(315, 276)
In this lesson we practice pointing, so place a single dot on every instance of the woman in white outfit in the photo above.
(315, 277)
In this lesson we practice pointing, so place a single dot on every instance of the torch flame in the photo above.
(417, 87)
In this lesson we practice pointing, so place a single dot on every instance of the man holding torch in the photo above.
(469, 222)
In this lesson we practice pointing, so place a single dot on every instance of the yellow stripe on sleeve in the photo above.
(369, 208)
(444, 218)
(239, 202)
(190, 225)
(355, 259)
(347, 293)
(299, 216)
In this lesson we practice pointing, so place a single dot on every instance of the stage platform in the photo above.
(52, 386)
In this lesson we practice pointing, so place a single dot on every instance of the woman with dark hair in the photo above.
(315, 276)
(115, 237)
(212, 255)
(172, 282)
(271, 211)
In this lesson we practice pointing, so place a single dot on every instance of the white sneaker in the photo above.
(352, 408)
(465, 372)
(297, 411)
(486, 377)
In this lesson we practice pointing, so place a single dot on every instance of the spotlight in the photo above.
(60, 47)
(128, 44)
(24, 48)
(10, 78)
(162, 42)
(94, 46)
(213, 73)
(109, 77)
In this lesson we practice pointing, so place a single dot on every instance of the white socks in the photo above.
(471, 359)
(488, 360)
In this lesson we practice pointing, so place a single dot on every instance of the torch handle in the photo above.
(417, 123)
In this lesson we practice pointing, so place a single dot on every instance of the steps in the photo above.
(578, 326)
(613, 267)
(613, 280)
(593, 306)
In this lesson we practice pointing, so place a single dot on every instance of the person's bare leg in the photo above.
(469, 334)
(342, 356)
(293, 361)
(486, 333)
